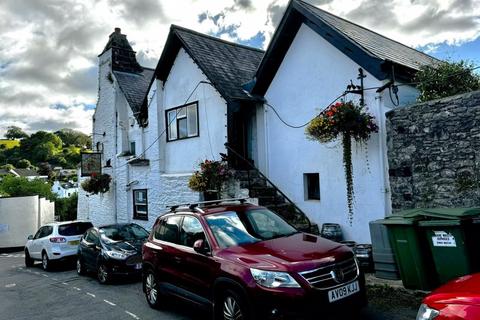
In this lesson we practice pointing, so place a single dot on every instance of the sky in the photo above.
(49, 48)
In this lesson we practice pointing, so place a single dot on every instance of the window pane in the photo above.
(191, 231)
(181, 113)
(141, 209)
(313, 186)
(140, 197)
(132, 147)
(192, 120)
(172, 125)
(169, 231)
(73, 229)
(182, 128)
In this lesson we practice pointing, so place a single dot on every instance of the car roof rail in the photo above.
(195, 205)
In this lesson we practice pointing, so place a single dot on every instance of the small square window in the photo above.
(311, 182)
(140, 204)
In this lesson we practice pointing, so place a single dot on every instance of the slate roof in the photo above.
(26, 173)
(4, 172)
(376, 44)
(227, 65)
(377, 54)
(135, 87)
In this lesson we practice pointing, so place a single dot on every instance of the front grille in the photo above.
(134, 260)
(332, 275)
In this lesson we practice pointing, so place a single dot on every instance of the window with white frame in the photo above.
(182, 122)
(140, 204)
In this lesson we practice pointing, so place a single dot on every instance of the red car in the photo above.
(458, 299)
(243, 262)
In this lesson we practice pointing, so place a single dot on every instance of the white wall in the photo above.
(183, 156)
(100, 209)
(21, 217)
(311, 75)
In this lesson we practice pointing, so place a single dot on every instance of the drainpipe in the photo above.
(383, 154)
(114, 170)
(265, 121)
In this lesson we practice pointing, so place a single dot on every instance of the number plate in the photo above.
(343, 292)
(138, 266)
(74, 243)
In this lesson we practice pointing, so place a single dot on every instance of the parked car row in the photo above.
(238, 260)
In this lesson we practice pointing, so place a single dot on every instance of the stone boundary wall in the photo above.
(434, 153)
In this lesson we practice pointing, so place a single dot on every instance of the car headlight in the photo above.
(426, 313)
(116, 255)
(273, 279)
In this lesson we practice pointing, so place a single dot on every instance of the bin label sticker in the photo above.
(3, 228)
(443, 239)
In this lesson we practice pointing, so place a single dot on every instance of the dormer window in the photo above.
(182, 122)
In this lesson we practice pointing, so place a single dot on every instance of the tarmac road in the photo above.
(33, 294)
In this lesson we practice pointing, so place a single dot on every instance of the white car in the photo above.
(55, 242)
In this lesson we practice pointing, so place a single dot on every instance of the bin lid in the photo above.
(440, 213)
(399, 220)
(440, 223)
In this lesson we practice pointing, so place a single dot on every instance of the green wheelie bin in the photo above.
(411, 251)
(451, 234)
(447, 242)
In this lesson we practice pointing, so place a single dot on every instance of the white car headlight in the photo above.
(116, 255)
(427, 313)
(273, 279)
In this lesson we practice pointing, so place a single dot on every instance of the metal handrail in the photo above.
(269, 181)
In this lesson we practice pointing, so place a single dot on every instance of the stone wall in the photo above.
(434, 153)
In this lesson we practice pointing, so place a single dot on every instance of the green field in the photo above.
(9, 144)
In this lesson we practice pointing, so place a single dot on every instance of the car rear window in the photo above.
(74, 229)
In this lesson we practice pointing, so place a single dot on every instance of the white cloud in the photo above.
(49, 48)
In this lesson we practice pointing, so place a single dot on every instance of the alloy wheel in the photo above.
(44, 261)
(231, 309)
(102, 274)
(151, 289)
(79, 267)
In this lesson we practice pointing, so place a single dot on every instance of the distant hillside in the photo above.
(9, 144)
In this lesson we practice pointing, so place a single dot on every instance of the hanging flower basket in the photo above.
(345, 120)
(210, 178)
(97, 183)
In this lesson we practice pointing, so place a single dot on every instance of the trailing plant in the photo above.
(97, 183)
(211, 176)
(446, 79)
(345, 120)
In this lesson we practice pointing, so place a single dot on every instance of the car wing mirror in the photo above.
(200, 247)
(30, 237)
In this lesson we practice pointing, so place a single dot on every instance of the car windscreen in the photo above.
(128, 232)
(231, 228)
(74, 229)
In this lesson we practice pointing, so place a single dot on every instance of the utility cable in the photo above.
(305, 124)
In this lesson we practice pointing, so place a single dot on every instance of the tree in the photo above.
(446, 79)
(7, 166)
(74, 138)
(14, 132)
(23, 164)
(66, 208)
(22, 187)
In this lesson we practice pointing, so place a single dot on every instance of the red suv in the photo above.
(244, 262)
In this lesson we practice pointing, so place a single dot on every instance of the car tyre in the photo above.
(103, 275)
(152, 290)
(28, 260)
(45, 262)
(232, 306)
(80, 267)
